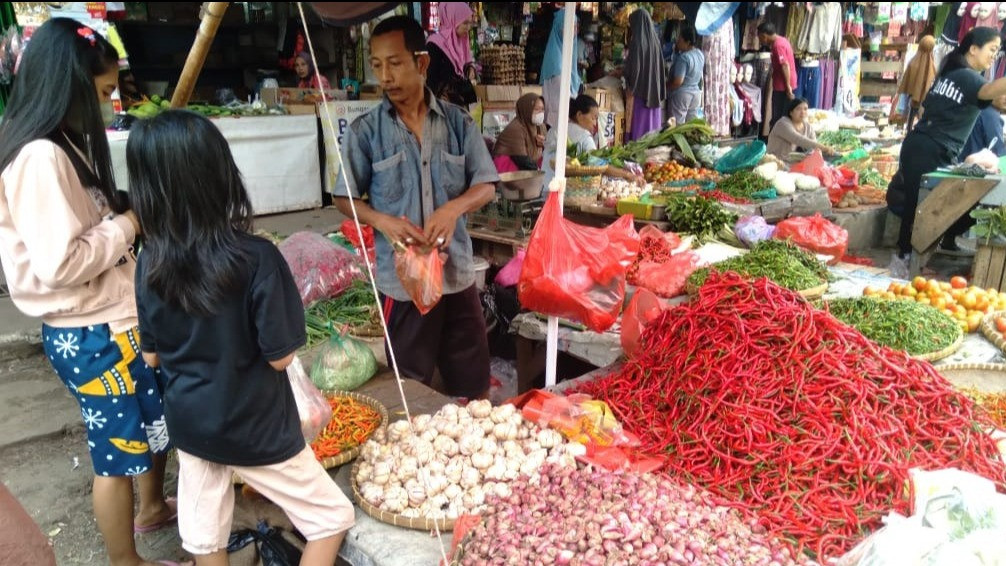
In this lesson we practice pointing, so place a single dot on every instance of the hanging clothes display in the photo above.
(829, 83)
(823, 31)
(752, 97)
(799, 15)
(719, 51)
(968, 19)
(951, 22)
(808, 82)
(918, 11)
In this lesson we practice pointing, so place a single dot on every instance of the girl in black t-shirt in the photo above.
(221, 316)
(950, 110)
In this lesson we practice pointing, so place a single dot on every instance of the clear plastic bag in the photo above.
(577, 272)
(753, 229)
(11, 46)
(321, 268)
(422, 275)
(312, 406)
(344, 363)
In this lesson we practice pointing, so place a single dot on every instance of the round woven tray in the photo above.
(989, 330)
(945, 352)
(987, 378)
(419, 524)
(585, 170)
(809, 294)
(351, 454)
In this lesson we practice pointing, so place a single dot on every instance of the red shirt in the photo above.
(782, 53)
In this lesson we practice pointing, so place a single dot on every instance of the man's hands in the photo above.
(400, 230)
(438, 232)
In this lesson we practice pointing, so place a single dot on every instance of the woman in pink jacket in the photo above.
(66, 238)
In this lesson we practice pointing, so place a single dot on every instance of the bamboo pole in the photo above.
(212, 15)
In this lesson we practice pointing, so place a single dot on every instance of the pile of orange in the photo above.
(674, 171)
(966, 304)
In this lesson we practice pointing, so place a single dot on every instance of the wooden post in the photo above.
(212, 14)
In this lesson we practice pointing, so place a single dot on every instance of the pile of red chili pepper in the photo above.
(723, 197)
(352, 424)
(780, 409)
(654, 246)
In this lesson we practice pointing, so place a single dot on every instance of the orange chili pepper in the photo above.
(352, 424)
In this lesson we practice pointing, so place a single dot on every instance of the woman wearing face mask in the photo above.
(519, 146)
(949, 113)
(451, 64)
(66, 239)
(583, 114)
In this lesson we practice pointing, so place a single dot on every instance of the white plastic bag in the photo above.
(313, 408)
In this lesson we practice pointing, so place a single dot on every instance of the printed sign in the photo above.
(343, 113)
(848, 82)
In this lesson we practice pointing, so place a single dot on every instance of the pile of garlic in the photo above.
(620, 188)
(445, 465)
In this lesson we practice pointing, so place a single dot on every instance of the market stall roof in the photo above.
(347, 14)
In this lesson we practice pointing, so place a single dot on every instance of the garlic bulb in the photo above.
(505, 431)
(464, 414)
(411, 513)
(446, 445)
(470, 478)
(453, 430)
(503, 490)
(408, 467)
(364, 472)
(452, 491)
(423, 451)
(470, 444)
(502, 413)
(396, 500)
(549, 438)
(475, 498)
(372, 493)
(398, 430)
(480, 409)
(421, 423)
(450, 412)
(417, 493)
(482, 460)
(453, 472)
(489, 446)
(487, 426)
(382, 473)
(576, 449)
(496, 472)
(429, 435)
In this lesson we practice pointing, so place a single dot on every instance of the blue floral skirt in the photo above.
(119, 395)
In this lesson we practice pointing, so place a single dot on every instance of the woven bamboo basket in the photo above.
(351, 454)
(582, 191)
(944, 353)
(809, 294)
(987, 378)
(416, 523)
(989, 330)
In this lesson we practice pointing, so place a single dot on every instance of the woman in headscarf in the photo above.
(521, 142)
(451, 56)
(551, 70)
(306, 74)
(645, 77)
(916, 81)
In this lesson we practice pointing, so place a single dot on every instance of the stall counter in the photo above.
(278, 157)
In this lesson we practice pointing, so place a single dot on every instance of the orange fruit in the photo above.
(970, 300)
(919, 283)
(933, 286)
(958, 282)
(1001, 324)
(974, 321)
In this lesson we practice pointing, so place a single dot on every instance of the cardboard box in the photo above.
(498, 93)
(298, 96)
(531, 89)
(601, 96)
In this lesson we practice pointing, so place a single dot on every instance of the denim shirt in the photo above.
(402, 178)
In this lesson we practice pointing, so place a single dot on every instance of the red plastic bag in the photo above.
(815, 234)
(321, 268)
(576, 272)
(348, 230)
(422, 275)
(644, 308)
(668, 279)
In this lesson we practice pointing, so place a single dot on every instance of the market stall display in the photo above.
(442, 466)
(818, 447)
(354, 309)
(700, 217)
(841, 140)
(781, 262)
(920, 330)
(968, 305)
(681, 138)
(355, 418)
(596, 517)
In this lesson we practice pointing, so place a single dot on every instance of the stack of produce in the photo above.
(355, 309)
(841, 141)
(681, 138)
(674, 171)
(745, 185)
(615, 189)
(967, 305)
(781, 410)
(703, 218)
(901, 325)
(502, 64)
(598, 517)
(352, 424)
(445, 465)
(780, 261)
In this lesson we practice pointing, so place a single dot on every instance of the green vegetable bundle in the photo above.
(355, 308)
(744, 185)
(780, 261)
(842, 140)
(902, 325)
(697, 132)
(702, 217)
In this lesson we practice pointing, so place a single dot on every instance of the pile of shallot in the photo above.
(596, 517)
(448, 464)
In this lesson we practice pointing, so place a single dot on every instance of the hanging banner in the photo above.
(343, 114)
(848, 82)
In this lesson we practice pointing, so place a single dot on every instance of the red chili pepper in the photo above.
(782, 411)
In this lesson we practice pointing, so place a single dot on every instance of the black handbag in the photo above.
(273, 549)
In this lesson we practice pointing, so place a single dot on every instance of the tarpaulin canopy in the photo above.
(347, 14)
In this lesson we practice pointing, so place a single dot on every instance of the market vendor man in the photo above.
(423, 165)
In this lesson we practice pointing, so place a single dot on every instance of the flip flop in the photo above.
(158, 526)
(173, 563)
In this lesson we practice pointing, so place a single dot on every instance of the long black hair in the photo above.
(957, 59)
(193, 208)
(582, 104)
(54, 95)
